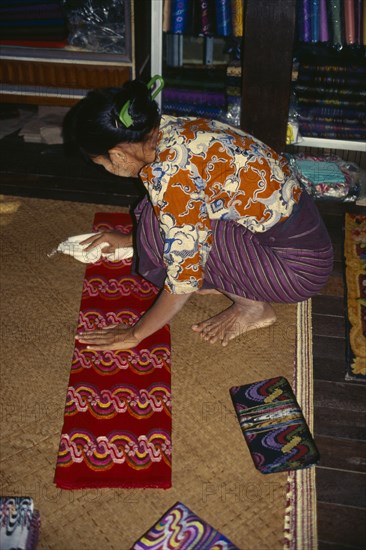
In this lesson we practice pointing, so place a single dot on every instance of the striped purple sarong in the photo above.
(290, 262)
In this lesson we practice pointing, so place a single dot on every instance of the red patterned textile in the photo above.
(117, 423)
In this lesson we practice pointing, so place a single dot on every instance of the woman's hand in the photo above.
(113, 337)
(115, 240)
(118, 337)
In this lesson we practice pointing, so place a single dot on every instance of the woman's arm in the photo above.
(120, 337)
(163, 310)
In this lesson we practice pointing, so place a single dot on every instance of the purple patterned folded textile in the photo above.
(19, 523)
(181, 529)
(273, 426)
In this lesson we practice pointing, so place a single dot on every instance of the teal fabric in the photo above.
(321, 172)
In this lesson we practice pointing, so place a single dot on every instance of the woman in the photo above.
(223, 213)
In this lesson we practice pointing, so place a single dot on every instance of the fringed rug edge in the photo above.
(301, 510)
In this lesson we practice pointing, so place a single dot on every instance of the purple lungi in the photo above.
(288, 263)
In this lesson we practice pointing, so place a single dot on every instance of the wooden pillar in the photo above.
(269, 28)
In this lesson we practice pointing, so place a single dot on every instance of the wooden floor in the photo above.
(340, 410)
(340, 406)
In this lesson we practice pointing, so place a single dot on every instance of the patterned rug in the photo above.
(355, 278)
(212, 470)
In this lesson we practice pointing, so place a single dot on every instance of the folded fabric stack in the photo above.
(30, 23)
(192, 92)
(45, 126)
(19, 523)
(183, 101)
(331, 100)
(200, 89)
(327, 177)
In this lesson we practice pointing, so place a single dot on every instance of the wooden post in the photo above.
(269, 28)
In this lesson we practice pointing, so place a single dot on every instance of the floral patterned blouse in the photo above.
(206, 170)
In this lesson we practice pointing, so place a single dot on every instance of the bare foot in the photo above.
(242, 316)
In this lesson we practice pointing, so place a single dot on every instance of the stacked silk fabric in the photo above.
(190, 102)
(30, 23)
(195, 92)
(200, 89)
(331, 84)
(331, 100)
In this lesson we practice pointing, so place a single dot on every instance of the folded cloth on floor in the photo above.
(117, 420)
(73, 247)
(181, 528)
(19, 523)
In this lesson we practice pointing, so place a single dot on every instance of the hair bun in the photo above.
(94, 123)
(141, 106)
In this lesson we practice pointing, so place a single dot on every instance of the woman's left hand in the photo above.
(113, 337)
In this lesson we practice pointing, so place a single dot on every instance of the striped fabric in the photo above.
(289, 263)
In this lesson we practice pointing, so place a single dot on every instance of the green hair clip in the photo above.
(124, 115)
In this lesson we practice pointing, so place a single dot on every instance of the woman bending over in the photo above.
(223, 213)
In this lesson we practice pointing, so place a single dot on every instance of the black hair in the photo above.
(93, 125)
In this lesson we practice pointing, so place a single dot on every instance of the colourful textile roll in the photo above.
(206, 17)
(323, 30)
(336, 19)
(358, 15)
(179, 16)
(223, 17)
(349, 20)
(167, 13)
(306, 19)
(237, 9)
(315, 20)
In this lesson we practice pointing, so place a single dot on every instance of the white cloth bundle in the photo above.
(73, 248)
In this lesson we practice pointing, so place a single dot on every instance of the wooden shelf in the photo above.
(61, 76)
(332, 144)
(58, 83)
